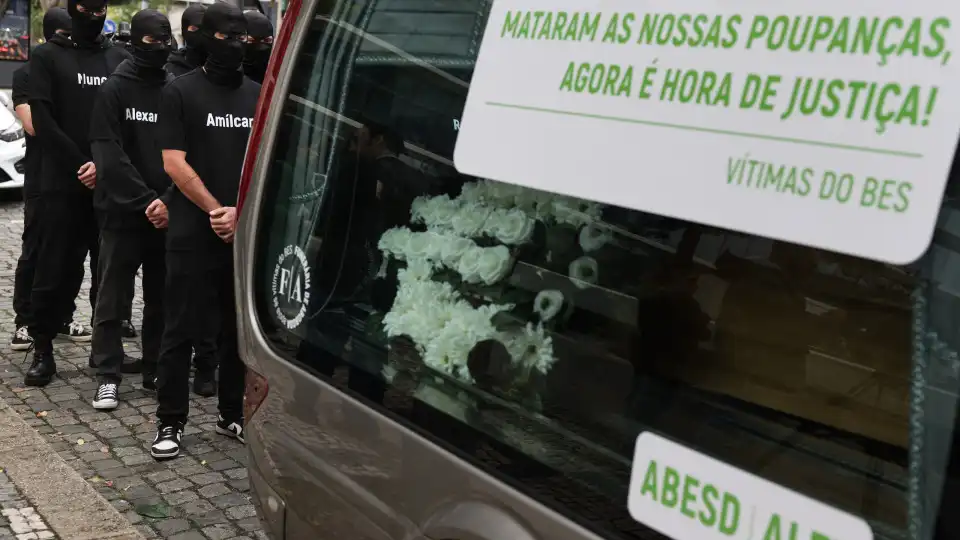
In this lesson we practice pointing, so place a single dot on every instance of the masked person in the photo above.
(130, 180)
(256, 55)
(205, 121)
(64, 78)
(55, 21)
(180, 62)
(192, 55)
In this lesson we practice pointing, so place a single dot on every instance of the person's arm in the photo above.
(21, 97)
(26, 119)
(51, 137)
(188, 181)
(173, 141)
(116, 175)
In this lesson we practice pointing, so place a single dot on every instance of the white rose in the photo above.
(513, 227)
(454, 249)
(493, 264)
(470, 219)
(469, 264)
(593, 238)
(443, 212)
(584, 272)
(435, 211)
(548, 304)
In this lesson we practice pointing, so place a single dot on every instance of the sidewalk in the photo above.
(202, 495)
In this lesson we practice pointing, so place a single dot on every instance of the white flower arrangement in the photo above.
(475, 264)
(442, 324)
(547, 207)
(511, 226)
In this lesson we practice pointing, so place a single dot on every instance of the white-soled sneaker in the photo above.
(75, 331)
(21, 340)
(166, 444)
(230, 428)
(106, 398)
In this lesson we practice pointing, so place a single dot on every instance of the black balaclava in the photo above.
(193, 41)
(150, 57)
(224, 56)
(56, 18)
(87, 26)
(256, 55)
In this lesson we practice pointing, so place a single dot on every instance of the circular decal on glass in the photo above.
(291, 287)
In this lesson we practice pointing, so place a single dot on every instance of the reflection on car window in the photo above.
(540, 333)
(14, 29)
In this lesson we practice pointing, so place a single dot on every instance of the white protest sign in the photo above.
(829, 123)
(689, 496)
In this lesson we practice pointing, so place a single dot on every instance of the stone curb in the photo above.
(72, 508)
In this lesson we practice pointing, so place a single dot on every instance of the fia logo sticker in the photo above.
(291, 287)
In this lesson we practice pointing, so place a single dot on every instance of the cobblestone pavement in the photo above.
(201, 495)
(19, 520)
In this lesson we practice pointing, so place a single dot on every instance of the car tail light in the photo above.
(266, 97)
(254, 393)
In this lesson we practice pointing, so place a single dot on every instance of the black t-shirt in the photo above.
(64, 80)
(31, 159)
(211, 123)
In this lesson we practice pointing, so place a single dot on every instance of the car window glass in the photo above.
(543, 333)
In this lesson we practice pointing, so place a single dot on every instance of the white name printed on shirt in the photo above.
(141, 116)
(229, 121)
(87, 80)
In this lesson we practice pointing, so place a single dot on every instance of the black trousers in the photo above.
(199, 302)
(67, 232)
(122, 252)
(27, 263)
(205, 352)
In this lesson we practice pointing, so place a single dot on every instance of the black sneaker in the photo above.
(127, 330)
(42, 369)
(131, 365)
(76, 332)
(230, 428)
(150, 382)
(166, 444)
(21, 340)
(204, 383)
(106, 398)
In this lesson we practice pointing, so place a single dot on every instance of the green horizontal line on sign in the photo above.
(699, 129)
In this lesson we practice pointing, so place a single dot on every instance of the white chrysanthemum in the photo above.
(530, 346)
(584, 272)
(548, 304)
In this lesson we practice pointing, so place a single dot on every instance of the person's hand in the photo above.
(157, 214)
(88, 174)
(223, 221)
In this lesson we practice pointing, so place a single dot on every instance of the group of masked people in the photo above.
(134, 155)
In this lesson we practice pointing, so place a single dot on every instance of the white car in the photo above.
(13, 147)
